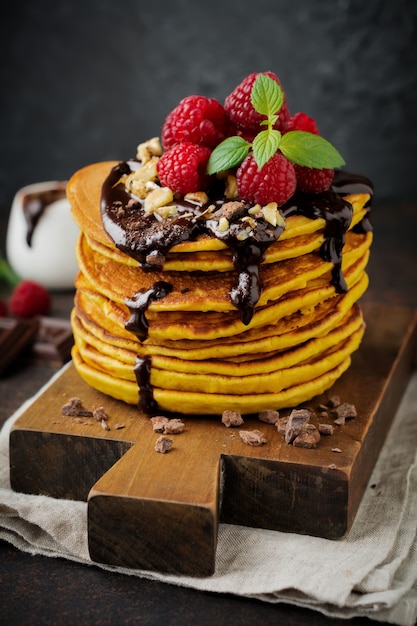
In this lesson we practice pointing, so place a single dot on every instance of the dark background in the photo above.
(87, 81)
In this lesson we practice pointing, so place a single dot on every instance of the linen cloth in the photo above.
(371, 572)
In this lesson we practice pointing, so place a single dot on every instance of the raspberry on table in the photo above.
(275, 182)
(238, 106)
(182, 168)
(197, 119)
(301, 121)
(312, 180)
(28, 299)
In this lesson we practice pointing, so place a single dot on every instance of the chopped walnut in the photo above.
(75, 408)
(252, 437)
(157, 198)
(163, 444)
(146, 150)
(232, 418)
(199, 197)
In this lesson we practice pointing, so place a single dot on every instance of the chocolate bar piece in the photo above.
(54, 339)
(15, 336)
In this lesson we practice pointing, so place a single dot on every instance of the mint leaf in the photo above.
(265, 145)
(267, 96)
(310, 150)
(227, 154)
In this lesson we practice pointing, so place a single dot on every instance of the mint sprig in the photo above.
(300, 147)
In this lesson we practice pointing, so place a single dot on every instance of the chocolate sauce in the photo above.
(148, 238)
(139, 304)
(34, 205)
(142, 371)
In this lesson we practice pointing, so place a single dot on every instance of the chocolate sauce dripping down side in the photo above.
(142, 371)
(34, 205)
(139, 304)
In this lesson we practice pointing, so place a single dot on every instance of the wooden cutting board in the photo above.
(161, 511)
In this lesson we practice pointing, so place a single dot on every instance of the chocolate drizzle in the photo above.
(139, 304)
(147, 237)
(142, 371)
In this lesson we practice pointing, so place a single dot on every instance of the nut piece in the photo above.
(157, 198)
(146, 150)
(252, 437)
(199, 197)
(163, 444)
(232, 418)
(231, 187)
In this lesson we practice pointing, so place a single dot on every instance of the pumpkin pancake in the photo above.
(202, 303)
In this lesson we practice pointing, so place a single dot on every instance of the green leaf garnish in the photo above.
(265, 145)
(310, 150)
(227, 154)
(267, 96)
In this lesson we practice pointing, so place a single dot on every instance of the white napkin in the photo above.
(371, 572)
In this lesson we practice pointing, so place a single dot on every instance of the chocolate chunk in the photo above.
(333, 402)
(269, 417)
(230, 210)
(163, 444)
(54, 340)
(158, 423)
(15, 337)
(281, 425)
(296, 420)
(75, 408)
(252, 437)
(326, 429)
(308, 437)
(100, 414)
(345, 411)
(174, 426)
(232, 419)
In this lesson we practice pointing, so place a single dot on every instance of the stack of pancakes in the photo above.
(198, 355)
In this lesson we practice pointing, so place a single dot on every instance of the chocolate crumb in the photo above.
(296, 420)
(324, 414)
(74, 408)
(308, 437)
(333, 402)
(322, 408)
(231, 419)
(118, 426)
(336, 450)
(104, 425)
(345, 411)
(332, 466)
(100, 414)
(163, 444)
(269, 417)
(252, 437)
(281, 425)
(158, 423)
(174, 427)
(326, 429)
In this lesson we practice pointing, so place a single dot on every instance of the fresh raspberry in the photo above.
(3, 309)
(301, 121)
(197, 119)
(313, 180)
(239, 107)
(29, 299)
(182, 168)
(275, 182)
